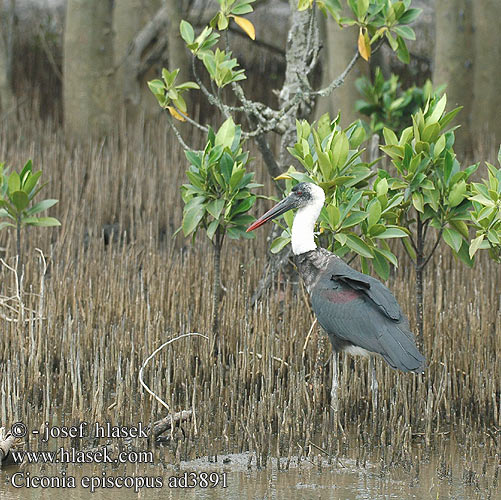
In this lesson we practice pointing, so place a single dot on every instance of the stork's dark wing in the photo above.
(357, 309)
(372, 288)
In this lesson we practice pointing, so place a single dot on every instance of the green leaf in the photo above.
(211, 229)
(452, 238)
(41, 206)
(358, 245)
(226, 133)
(393, 151)
(409, 16)
(20, 200)
(341, 237)
(483, 200)
(236, 233)
(194, 157)
(236, 177)
(226, 164)
(406, 136)
(357, 137)
(354, 7)
(392, 232)
(382, 187)
(41, 221)
(169, 77)
(222, 22)
(448, 117)
(475, 245)
(376, 229)
(374, 213)
(210, 64)
(439, 147)
(438, 110)
(430, 132)
(31, 183)
(409, 248)
(417, 201)
(391, 40)
(6, 224)
(187, 32)
(460, 227)
(244, 205)
(340, 149)
(388, 255)
(422, 146)
(187, 85)
(381, 265)
(333, 215)
(192, 218)
(389, 136)
(325, 164)
(215, 207)
(354, 219)
(26, 169)
(14, 182)
(402, 51)
(5, 212)
(457, 194)
(157, 87)
(180, 104)
(241, 8)
(405, 32)
(279, 243)
(362, 7)
(353, 201)
(493, 237)
(243, 220)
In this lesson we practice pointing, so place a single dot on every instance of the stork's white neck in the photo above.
(304, 222)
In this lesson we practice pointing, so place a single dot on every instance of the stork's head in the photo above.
(304, 194)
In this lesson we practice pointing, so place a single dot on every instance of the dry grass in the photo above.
(118, 286)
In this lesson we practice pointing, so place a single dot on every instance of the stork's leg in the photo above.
(335, 380)
(374, 384)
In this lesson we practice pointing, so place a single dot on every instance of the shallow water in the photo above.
(235, 477)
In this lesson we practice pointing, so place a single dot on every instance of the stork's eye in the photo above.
(299, 193)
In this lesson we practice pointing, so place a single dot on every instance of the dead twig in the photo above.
(168, 422)
(153, 354)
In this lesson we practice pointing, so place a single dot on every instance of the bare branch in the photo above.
(339, 80)
(437, 241)
(178, 135)
(153, 354)
(193, 122)
(305, 345)
(167, 423)
(268, 156)
(213, 100)
(413, 243)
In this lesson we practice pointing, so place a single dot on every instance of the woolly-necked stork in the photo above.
(359, 313)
